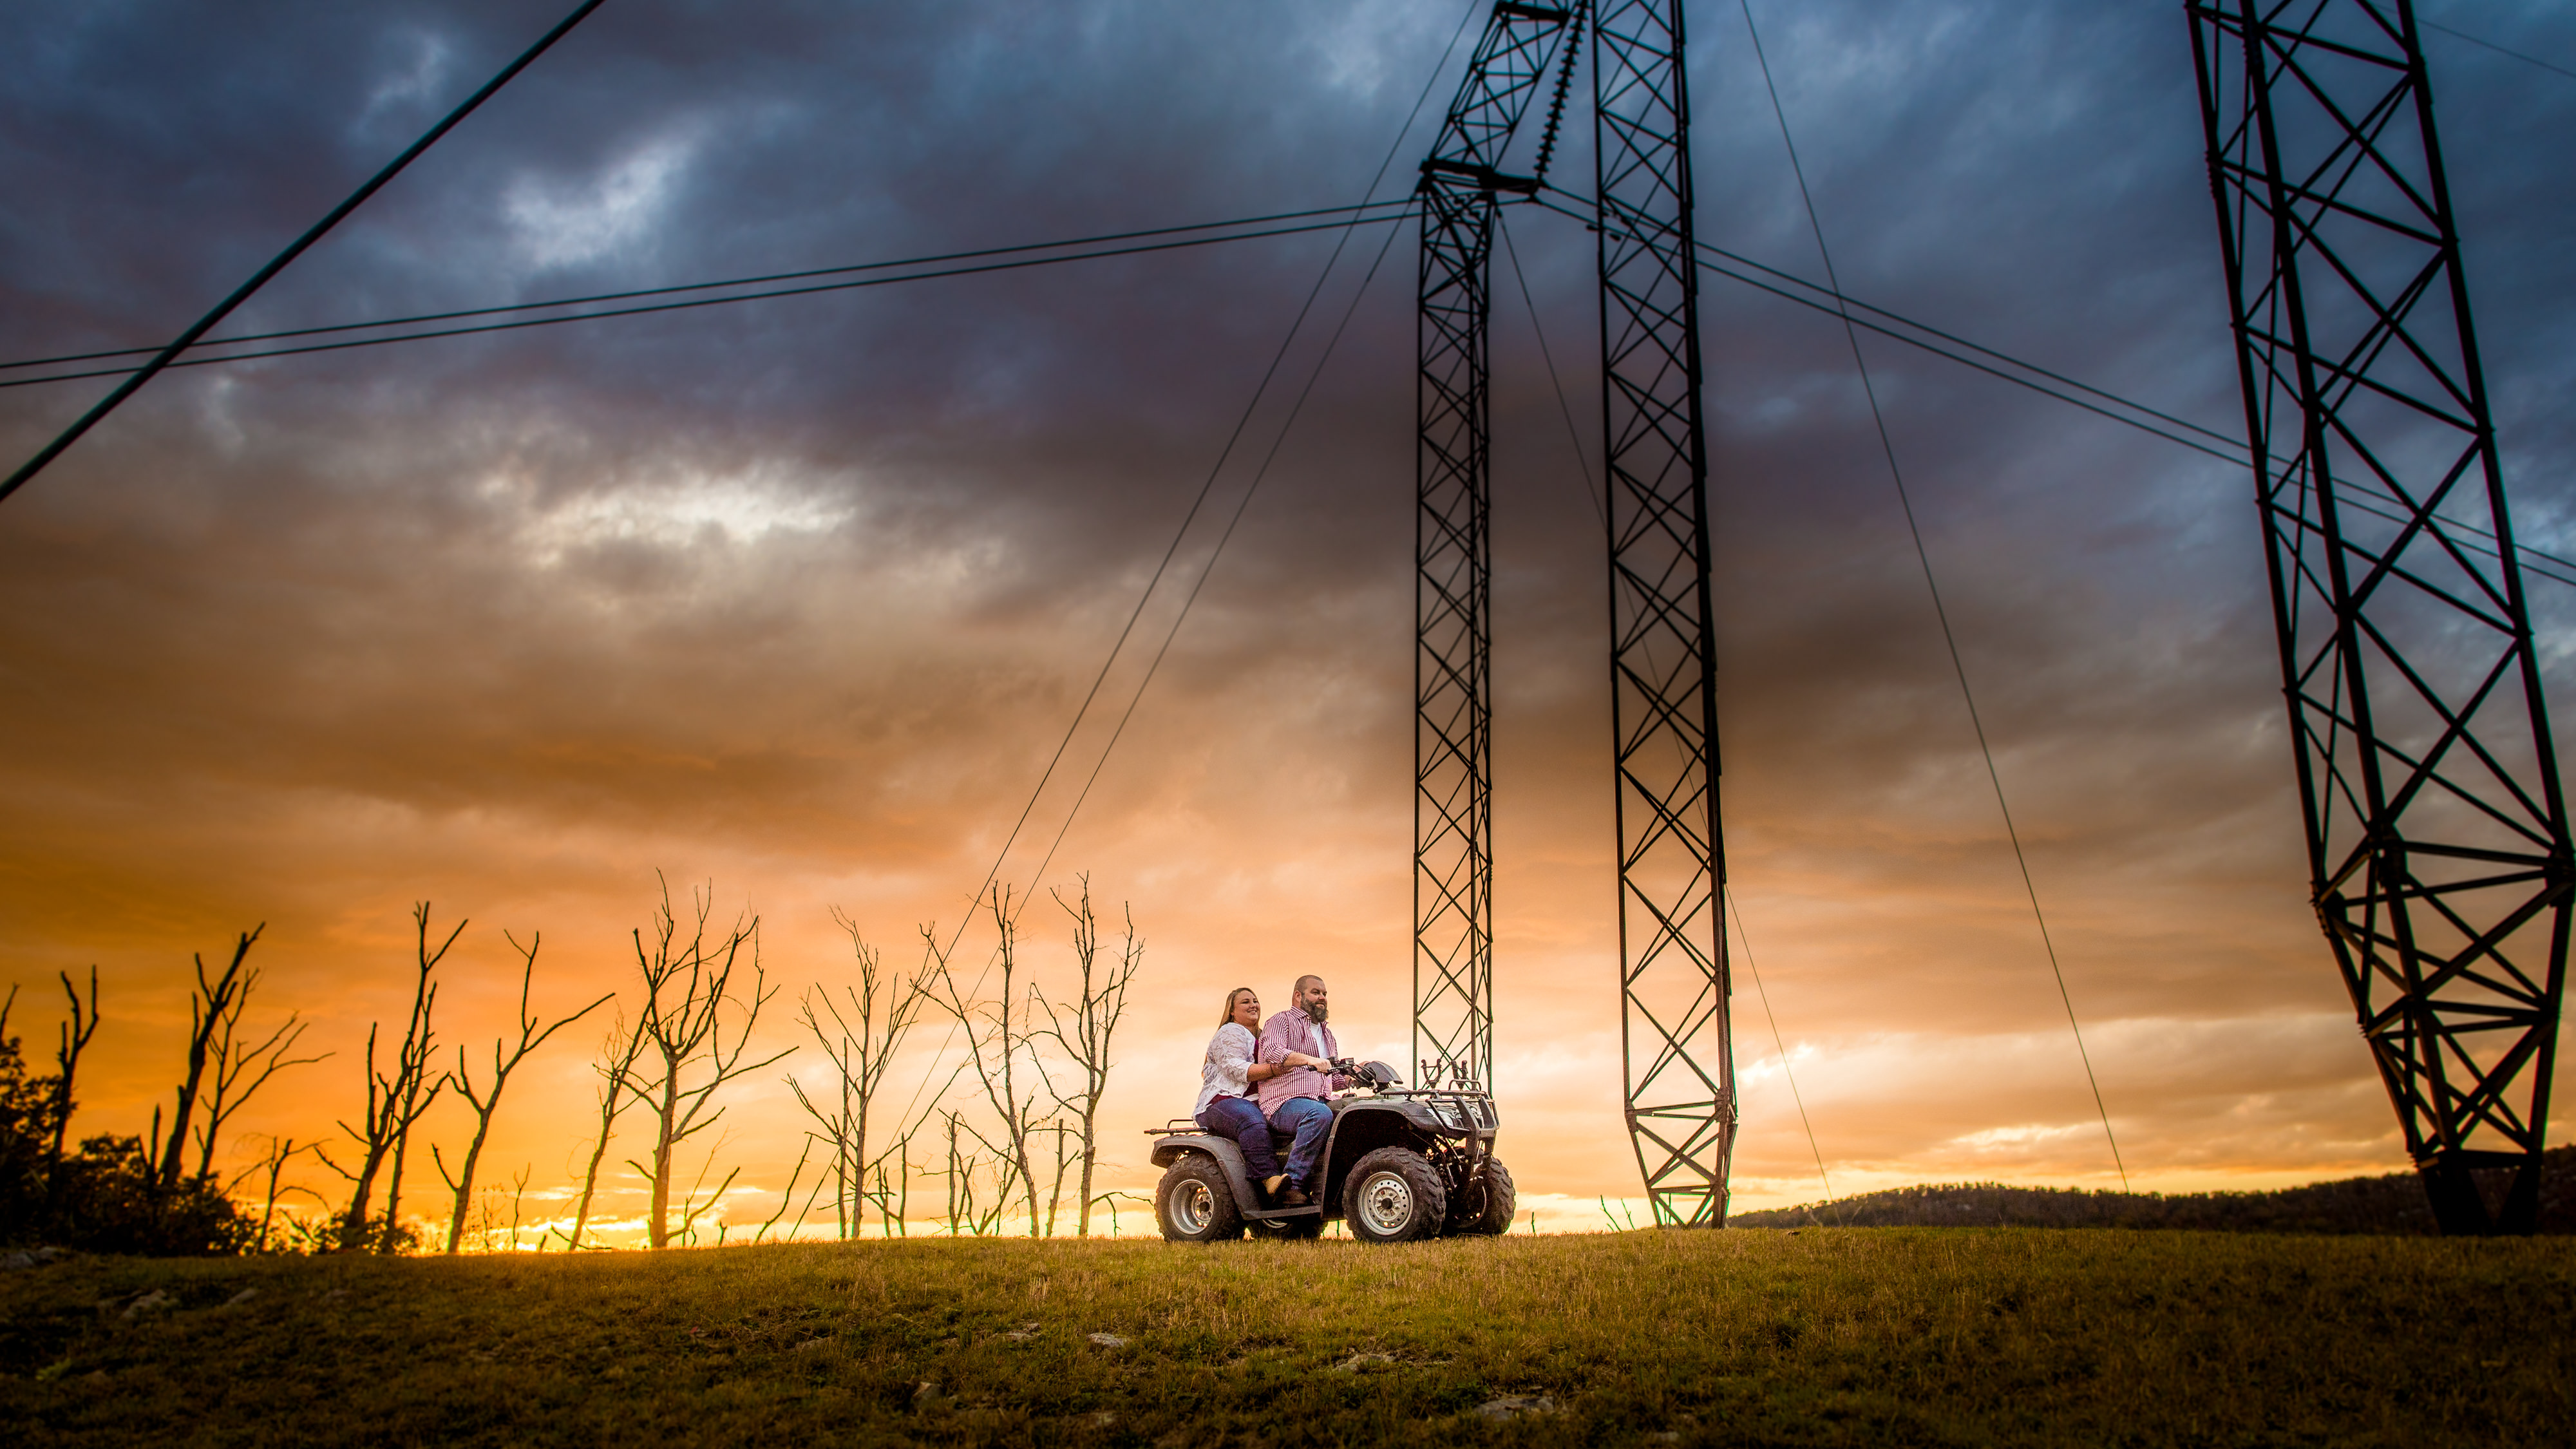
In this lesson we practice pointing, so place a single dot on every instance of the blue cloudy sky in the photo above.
(799, 596)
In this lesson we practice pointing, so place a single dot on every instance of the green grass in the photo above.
(1921, 1336)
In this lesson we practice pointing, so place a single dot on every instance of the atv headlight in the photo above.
(1484, 1115)
(1448, 1113)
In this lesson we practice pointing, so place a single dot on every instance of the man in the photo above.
(1296, 1042)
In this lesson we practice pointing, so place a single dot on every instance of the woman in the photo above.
(1225, 1106)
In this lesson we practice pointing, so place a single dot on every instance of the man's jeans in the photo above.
(1241, 1120)
(1312, 1120)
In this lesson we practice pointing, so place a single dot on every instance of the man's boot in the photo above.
(1293, 1197)
(1270, 1185)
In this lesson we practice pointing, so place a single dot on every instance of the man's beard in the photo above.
(1315, 1012)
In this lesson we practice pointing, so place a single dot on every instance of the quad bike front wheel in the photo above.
(1393, 1195)
(1194, 1205)
(1501, 1204)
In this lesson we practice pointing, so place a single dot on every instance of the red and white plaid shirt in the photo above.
(1290, 1031)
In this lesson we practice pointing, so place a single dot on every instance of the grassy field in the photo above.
(1891, 1336)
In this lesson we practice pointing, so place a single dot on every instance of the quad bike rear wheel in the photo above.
(1194, 1205)
(1393, 1195)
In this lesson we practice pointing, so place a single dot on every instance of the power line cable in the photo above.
(2498, 49)
(1834, 303)
(294, 249)
(693, 303)
(1948, 637)
(1473, 8)
(760, 280)
(2539, 561)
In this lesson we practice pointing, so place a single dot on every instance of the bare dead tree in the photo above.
(686, 1053)
(999, 1050)
(531, 1037)
(71, 1039)
(207, 1006)
(893, 1192)
(692, 1206)
(1082, 1029)
(860, 1043)
(395, 1100)
(240, 1068)
(518, 1195)
(965, 1212)
(281, 1151)
(616, 1068)
(787, 1198)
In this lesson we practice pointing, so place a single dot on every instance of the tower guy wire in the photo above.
(1241, 422)
(1734, 909)
(1038, 878)
(1949, 637)
(1786, 1070)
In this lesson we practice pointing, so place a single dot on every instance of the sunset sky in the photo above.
(798, 597)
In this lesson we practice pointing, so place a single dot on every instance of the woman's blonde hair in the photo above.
(1227, 1015)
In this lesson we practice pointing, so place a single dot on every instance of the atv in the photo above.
(1398, 1165)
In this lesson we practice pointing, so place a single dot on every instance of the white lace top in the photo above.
(1225, 1072)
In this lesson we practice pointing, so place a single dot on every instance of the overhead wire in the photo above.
(1949, 637)
(278, 263)
(2554, 567)
(760, 279)
(2498, 49)
(2551, 566)
(1350, 217)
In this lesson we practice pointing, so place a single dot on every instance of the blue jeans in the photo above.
(1241, 1120)
(1312, 1120)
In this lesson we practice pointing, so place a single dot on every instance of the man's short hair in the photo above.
(1300, 988)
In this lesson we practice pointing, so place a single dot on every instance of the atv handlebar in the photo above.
(1376, 1076)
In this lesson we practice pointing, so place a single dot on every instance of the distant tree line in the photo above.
(1031, 1071)
(2389, 1204)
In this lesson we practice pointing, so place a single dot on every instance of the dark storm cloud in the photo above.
(820, 579)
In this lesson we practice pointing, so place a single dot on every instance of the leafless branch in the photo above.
(396, 1099)
(532, 1035)
(1083, 1028)
(208, 1006)
(686, 1054)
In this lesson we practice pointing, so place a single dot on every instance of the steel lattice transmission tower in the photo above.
(1677, 1063)
(1453, 822)
(2437, 835)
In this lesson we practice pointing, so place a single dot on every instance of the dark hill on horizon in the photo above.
(2393, 1203)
